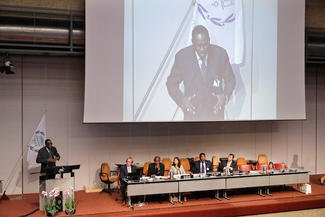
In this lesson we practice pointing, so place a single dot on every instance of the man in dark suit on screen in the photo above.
(47, 156)
(207, 77)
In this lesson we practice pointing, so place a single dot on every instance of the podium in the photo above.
(62, 183)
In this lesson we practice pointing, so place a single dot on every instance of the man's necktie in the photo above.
(50, 152)
(204, 70)
(202, 167)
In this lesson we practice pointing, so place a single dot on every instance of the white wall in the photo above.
(56, 86)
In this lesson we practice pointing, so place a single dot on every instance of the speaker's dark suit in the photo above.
(124, 174)
(208, 166)
(219, 79)
(43, 155)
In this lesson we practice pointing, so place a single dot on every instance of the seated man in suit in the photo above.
(202, 165)
(124, 172)
(156, 168)
(230, 163)
(47, 156)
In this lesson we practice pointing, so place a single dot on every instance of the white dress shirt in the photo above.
(129, 169)
(200, 61)
(229, 165)
(203, 164)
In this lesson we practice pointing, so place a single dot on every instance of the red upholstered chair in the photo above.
(245, 167)
(280, 166)
(260, 166)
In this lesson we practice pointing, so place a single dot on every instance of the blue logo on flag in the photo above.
(38, 141)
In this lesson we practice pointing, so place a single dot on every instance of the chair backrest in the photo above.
(145, 168)
(215, 164)
(241, 161)
(245, 167)
(260, 166)
(280, 166)
(196, 158)
(262, 159)
(186, 165)
(223, 160)
(105, 172)
(168, 164)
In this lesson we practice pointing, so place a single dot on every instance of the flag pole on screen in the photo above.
(144, 100)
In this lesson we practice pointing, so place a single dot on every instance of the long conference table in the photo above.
(216, 182)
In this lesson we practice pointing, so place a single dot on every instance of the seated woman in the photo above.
(176, 169)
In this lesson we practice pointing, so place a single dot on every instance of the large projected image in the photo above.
(208, 69)
(207, 77)
(188, 60)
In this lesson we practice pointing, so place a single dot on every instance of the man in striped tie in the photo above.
(207, 78)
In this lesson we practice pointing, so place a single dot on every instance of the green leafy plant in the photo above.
(70, 203)
(51, 207)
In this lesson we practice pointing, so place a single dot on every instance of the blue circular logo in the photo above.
(38, 141)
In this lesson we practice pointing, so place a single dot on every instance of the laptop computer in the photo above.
(133, 176)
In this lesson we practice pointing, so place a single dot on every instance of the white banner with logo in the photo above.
(36, 143)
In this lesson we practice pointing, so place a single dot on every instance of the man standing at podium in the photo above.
(47, 156)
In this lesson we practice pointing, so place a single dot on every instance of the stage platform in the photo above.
(243, 202)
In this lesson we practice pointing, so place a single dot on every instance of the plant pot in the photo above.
(50, 214)
(58, 202)
(70, 211)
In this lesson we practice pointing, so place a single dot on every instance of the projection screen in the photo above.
(194, 60)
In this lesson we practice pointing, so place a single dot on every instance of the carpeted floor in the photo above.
(242, 202)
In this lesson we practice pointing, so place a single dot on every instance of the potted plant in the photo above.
(51, 208)
(70, 203)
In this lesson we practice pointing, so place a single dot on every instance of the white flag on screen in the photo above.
(224, 21)
(36, 143)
